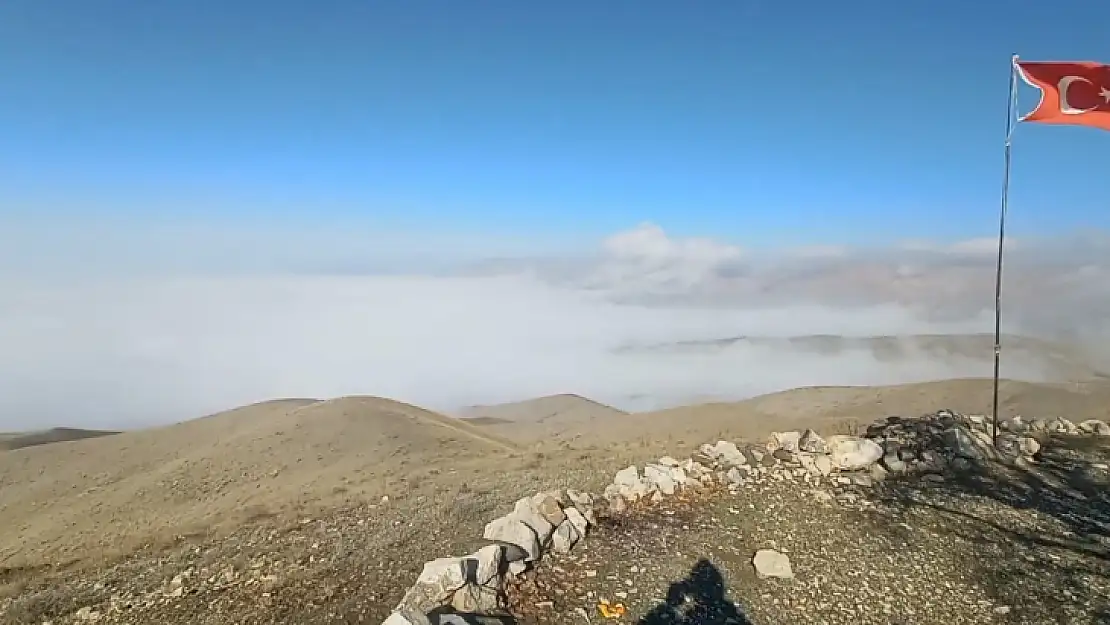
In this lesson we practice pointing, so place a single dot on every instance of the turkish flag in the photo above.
(1073, 93)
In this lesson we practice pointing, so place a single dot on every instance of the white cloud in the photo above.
(980, 246)
(122, 347)
(645, 260)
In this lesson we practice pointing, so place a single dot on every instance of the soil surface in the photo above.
(993, 546)
(300, 511)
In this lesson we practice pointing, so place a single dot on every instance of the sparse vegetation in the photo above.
(379, 487)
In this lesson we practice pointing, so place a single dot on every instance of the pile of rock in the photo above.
(658, 479)
(1055, 425)
(553, 521)
(947, 440)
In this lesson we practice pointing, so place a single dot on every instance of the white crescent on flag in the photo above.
(1065, 107)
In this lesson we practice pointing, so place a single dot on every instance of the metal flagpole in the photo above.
(1011, 109)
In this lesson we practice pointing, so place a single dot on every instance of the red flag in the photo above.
(1075, 93)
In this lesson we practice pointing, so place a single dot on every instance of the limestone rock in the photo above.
(786, 440)
(406, 617)
(564, 538)
(578, 520)
(824, 464)
(579, 498)
(525, 511)
(726, 453)
(549, 508)
(629, 476)
(475, 598)
(1094, 426)
(809, 463)
(661, 478)
(678, 474)
(512, 531)
(771, 563)
(812, 442)
(877, 472)
(851, 453)
(962, 442)
(435, 586)
(485, 564)
(1060, 425)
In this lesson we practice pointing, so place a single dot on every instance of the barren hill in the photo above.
(552, 407)
(19, 440)
(296, 486)
(149, 485)
(846, 407)
(542, 416)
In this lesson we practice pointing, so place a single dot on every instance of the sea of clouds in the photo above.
(130, 326)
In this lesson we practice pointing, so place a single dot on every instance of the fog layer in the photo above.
(145, 341)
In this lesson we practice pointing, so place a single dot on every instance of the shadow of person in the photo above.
(697, 600)
(447, 616)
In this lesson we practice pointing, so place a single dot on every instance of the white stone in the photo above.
(728, 453)
(526, 512)
(786, 440)
(564, 537)
(629, 476)
(678, 474)
(1096, 427)
(488, 562)
(850, 453)
(435, 586)
(771, 563)
(660, 476)
(578, 520)
(511, 530)
(579, 498)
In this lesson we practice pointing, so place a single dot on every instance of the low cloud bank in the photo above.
(126, 348)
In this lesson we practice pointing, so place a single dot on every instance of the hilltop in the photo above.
(117, 492)
(350, 495)
(542, 417)
(19, 440)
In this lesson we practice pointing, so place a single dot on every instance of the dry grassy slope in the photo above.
(83, 499)
(113, 493)
(829, 408)
(554, 417)
(566, 407)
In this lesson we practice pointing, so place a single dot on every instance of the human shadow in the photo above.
(699, 599)
(1044, 527)
(448, 616)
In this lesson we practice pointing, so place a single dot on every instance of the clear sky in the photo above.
(766, 123)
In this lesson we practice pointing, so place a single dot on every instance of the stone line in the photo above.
(556, 521)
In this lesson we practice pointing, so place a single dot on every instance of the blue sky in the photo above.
(764, 123)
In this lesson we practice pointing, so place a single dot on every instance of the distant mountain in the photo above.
(1058, 362)
(21, 440)
(566, 408)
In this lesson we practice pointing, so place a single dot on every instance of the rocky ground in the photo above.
(342, 566)
(990, 543)
(1021, 535)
